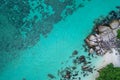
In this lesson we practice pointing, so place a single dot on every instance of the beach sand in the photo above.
(110, 57)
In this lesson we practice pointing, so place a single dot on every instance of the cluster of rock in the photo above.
(104, 39)
(73, 72)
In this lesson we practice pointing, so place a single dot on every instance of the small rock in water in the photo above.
(51, 76)
(80, 5)
(79, 78)
(24, 79)
(85, 47)
(73, 67)
(68, 74)
(91, 51)
(76, 74)
(82, 59)
(75, 61)
(75, 52)
(118, 7)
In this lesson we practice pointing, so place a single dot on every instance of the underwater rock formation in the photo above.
(51, 76)
(29, 25)
(81, 67)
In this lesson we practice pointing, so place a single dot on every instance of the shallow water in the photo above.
(67, 35)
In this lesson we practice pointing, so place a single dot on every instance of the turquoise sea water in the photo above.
(67, 35)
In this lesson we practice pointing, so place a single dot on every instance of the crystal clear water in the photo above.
(67, 35)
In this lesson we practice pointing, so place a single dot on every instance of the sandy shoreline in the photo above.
(108, 58)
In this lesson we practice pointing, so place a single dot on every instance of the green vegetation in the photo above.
(109, 73)
(118, 34)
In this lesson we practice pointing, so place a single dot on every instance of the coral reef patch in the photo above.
(23, 22)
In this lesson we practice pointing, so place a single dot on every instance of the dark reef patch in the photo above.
(29, 28)
(21, 27)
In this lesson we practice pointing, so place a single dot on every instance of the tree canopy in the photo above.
(118, 33)
(109, 73)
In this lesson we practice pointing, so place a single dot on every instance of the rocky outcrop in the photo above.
(102, 29)
(104, 40)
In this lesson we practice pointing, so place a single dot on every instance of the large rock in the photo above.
(102, 29)
(91, 43)
(87, 41)
(97, 48)
(99, 52)
(92, 38)
(115, 32)
(91, 51)
(114, 24)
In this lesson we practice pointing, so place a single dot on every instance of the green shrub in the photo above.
(118, 33)
(109, 73)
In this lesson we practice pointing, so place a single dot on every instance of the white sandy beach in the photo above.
(108, 58)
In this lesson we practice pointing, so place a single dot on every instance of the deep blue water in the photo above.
(34, 62)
